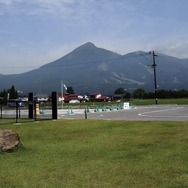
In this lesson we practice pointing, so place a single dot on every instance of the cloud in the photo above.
(34, 7)
(62, 8)
(176, 49)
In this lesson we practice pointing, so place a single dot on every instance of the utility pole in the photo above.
(154, 70)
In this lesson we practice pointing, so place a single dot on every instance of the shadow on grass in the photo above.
(9, 121)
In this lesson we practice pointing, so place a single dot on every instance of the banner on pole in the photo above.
(65, 86)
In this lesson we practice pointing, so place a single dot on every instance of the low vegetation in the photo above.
(182, 101)
(87, 153)
(133, 102)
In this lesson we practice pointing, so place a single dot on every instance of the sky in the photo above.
(37, 32)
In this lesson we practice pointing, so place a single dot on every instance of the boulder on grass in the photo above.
(9, 140)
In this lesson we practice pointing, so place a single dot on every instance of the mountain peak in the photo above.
(89, 52)
(88, 45)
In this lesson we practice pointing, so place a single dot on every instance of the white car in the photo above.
(74, 101)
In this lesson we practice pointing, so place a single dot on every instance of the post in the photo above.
(54, 105)
(19, 112)
(155, 80)
(30, 106)
(86, 113)
(16, 111)
(62, 94)
(1, 110)
(35, 110)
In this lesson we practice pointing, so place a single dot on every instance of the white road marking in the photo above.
(164, 110)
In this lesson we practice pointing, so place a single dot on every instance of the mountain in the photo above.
(83, 54)
(92, 69)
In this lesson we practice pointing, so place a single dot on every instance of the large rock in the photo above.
(9, 140)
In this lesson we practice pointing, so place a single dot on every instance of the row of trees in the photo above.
(11, 93)
(139, 93)
(161, 94)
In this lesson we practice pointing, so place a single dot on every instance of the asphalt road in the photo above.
(141, 113)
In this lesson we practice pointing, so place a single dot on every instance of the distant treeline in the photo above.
(161, 94)
(11, 93)
(139, 93)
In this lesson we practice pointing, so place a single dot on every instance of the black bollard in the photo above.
(85, 113)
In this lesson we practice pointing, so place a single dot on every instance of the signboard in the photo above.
(126, 105)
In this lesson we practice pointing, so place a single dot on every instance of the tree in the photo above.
(70, 90)
(13, 94)
(120, 91)
(3, 96)
(139, 93)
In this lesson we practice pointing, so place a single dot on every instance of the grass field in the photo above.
(86, 153)
(181, 101)
(137, 102)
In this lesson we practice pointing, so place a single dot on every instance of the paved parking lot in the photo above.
(144, 113)
(138, 113)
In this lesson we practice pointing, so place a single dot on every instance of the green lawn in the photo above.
(137, 102)
(87, 153)
(183, 101)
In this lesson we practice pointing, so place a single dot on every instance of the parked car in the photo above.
(74, 101)
(75, 98)
(98, 97)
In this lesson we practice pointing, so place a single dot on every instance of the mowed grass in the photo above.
(180, 101)
(87, 153)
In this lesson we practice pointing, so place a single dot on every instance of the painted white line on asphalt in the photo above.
(164, 110)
